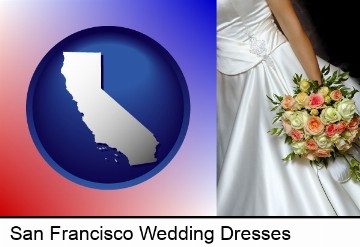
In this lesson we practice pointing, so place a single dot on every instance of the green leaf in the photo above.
(344, 91)
(279, 98)
(288, 140)
(334, 155)
(276, 119)
(325, 162)
(334, 75)
(274, 108)
(329, 79)
(352, 93)
(344, 74)
(273, 131)
(325, 70)
(272, 101)
(290, 156)
(297, 79)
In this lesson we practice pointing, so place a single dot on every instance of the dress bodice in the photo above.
(236, 15)
(246, 34)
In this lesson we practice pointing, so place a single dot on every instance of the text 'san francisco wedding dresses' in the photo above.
(254, 59)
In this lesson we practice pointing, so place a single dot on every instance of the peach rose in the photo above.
(311, 144)
(336, 95)
(350, 135)
(331, 129)
(314, 101)
(342, 145)
(323, 152)
(354, 123)
(310, 156)
(296, 135)
(287, 127)
(295, 107)
(314, 126)
(288, 102)
(341, 126)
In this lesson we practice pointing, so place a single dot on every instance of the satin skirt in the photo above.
(252, 178)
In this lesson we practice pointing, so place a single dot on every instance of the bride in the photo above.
(255, 59)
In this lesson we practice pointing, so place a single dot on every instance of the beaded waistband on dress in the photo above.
(238, 54)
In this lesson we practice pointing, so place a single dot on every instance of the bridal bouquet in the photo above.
(320, 122)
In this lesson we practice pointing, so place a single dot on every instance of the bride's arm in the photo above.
(299, 41)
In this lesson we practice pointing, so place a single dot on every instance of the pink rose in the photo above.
(314, 101)
(314, 126)
(296, 135)
(341, 126)
(311, 144)
(288, 102)
(331, 129)
(323, 152)
(287, 127)
(336, 95)
(354, 123)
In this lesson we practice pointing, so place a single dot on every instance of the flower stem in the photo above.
(317, 173)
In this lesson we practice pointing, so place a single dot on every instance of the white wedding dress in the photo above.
(254, 59)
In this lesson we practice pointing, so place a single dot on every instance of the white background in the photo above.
(304, 231)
